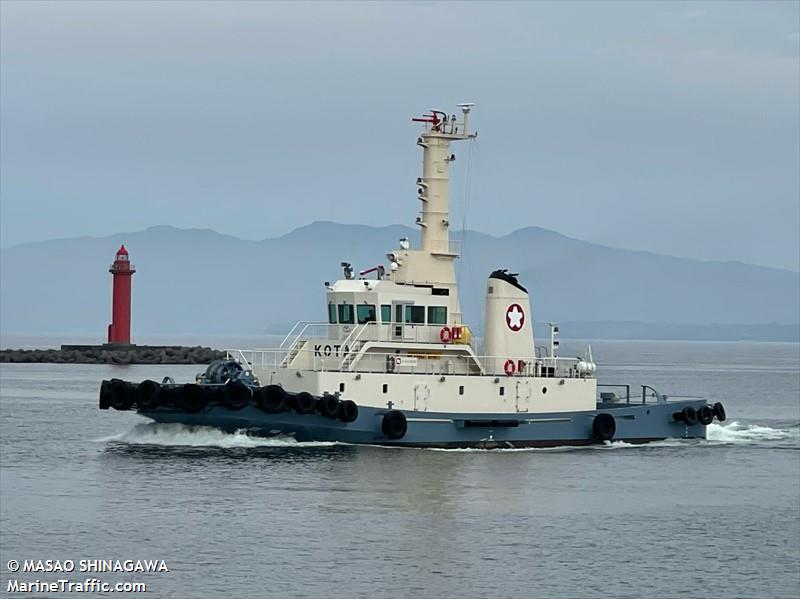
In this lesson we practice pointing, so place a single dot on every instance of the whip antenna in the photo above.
(465, 202)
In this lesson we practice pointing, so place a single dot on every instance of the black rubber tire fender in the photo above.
(105, 395)
(192, 398)
(329, 406)
(121, 395)
(394, 425)
(170, 396)
(237, 396)
(304, 403)
(689, 415)
(705, 415)
(147, 395)
(348, 411)
(215, 394)
(719, 411)
(604, 427)
(271, 399)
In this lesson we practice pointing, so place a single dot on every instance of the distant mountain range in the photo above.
(191, 280)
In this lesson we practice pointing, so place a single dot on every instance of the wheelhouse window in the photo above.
(386, 313)
(437, 315)
(415, 314)
(346, 314)
(332, 313)
(365, 313)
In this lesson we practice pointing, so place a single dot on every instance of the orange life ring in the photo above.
(509, 367)
(445, 335)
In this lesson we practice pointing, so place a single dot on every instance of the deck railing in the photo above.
(326, 358)
(648, 392)
(348, 334)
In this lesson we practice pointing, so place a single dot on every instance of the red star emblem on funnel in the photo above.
(515, 317)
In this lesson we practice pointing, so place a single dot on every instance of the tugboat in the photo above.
(395, 364)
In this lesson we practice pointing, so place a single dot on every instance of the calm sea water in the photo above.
(237, 516)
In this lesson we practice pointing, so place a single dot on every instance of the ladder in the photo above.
(297, 347)
(351, 356)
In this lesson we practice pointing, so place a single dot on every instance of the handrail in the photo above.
(527, 358)
(626, 387)
(238, 355)
(352, 343)
(465, 362)
(306, 324)
(375, 331)
(659, 398)
(289, 334)
(360, 328)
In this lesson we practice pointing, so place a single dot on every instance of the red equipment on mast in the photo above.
(432, 118)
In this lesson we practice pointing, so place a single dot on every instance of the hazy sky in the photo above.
(672, 127)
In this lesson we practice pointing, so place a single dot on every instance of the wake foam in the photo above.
(607, 446)
(717, 434)
(182, 435)
(750, 433)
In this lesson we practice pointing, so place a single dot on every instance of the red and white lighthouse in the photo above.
(119, 331)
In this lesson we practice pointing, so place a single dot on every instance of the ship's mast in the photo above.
(432, 264)
(433, 185)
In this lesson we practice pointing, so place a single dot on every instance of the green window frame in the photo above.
(414, 314)
(332, 313)
(386, 313)
(365, 313)
(437, 315)
(346, 314)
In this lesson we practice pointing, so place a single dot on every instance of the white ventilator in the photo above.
(508, 337)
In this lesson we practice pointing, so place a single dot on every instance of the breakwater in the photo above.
(114, 354)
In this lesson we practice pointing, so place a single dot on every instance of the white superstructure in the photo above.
(394, 335)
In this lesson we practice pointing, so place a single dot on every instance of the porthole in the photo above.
(461, 389)
(502, 390)
(341, 387)
(385, 388)
(544, 390)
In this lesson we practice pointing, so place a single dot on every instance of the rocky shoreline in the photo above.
(109, 354)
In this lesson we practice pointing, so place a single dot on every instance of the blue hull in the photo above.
(635, 423)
